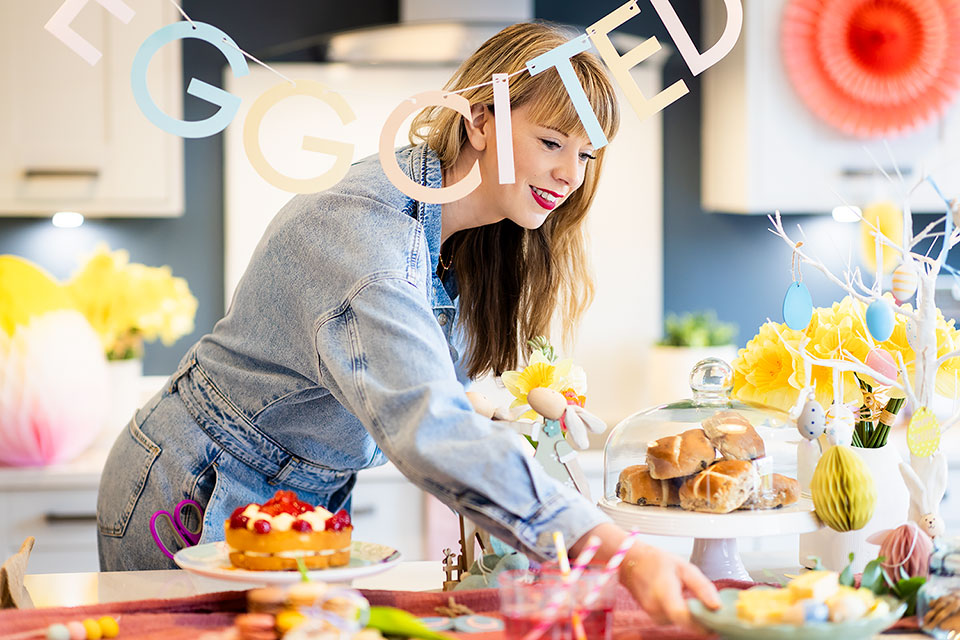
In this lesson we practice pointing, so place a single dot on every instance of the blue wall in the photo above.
(727, 262)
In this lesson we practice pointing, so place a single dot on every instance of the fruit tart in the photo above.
(272, 536)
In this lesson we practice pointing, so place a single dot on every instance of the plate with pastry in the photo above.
(268, 542)
(813, 606)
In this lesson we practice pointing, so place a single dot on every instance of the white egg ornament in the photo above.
(839, 424)
(904, 281)
(880, 320)
(812, 420)
(913, 335)
(797, 306)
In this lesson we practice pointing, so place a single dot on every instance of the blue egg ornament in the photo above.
(797, 306)
(812, 420)
(880, 320)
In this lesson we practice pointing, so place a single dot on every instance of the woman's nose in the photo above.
(568, 169)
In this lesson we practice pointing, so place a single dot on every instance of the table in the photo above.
(75, 589)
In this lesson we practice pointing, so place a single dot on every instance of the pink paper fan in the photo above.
(873, 67)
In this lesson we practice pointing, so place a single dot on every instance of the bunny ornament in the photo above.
(927, 483)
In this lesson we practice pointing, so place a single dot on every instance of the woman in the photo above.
(339, 349)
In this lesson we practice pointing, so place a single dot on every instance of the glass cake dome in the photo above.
(687, 436)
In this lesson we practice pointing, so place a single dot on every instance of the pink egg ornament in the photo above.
(906, 547)
(882, 362)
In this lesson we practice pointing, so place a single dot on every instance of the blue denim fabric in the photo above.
(338, 351)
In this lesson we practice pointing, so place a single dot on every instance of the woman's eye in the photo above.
(586, 156)
(550, 144)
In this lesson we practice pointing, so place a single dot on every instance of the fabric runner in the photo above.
(188, 618)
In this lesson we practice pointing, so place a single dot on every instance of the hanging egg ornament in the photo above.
(913, 335)
(797, 306)
(812, 420)
(880, 320)
(840, 422)
(843, 489)
(923, 433)
(904, 281)
(882, 362)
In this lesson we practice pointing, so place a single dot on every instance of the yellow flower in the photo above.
(765, 371)
(129, 303)
(539, 372)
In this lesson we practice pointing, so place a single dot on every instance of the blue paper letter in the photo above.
(560, 58)
(228, 103)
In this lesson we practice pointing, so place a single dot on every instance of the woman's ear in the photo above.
(479, 126)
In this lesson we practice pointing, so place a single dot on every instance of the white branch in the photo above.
(947, 356)
(908, 389)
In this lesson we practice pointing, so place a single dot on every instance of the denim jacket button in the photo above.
(442, 319)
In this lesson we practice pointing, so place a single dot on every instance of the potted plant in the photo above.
(687, 339)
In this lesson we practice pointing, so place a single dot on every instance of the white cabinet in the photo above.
(72, 135)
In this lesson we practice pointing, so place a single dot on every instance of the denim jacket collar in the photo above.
(424, 166)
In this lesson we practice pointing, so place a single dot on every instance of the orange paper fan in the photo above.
(873, 67)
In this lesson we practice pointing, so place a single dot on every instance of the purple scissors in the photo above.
(187, 536)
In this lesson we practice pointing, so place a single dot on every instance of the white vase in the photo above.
(670, 369)
(893, 500)
(124, 397)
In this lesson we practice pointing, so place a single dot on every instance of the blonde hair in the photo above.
(515, 282)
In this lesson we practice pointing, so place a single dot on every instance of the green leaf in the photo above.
(302, 568)
(907, 590)
(872, 577)
(846, 576)
(397, 622)
(817, 565)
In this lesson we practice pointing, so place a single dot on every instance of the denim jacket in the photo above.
(338, 352)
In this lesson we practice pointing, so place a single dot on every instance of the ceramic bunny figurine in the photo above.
(926, 491)
(811, 422)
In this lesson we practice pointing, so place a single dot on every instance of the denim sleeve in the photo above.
(383, 355)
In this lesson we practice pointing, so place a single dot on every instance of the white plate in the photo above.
(213, 561)
(674, 521)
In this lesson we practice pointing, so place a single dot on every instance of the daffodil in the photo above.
(129, 303)
(539, 372)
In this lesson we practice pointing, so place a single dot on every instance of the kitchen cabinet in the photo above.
(72, 134)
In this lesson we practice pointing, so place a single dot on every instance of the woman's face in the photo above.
(549, 165)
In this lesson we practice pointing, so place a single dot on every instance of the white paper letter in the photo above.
(699, 62)
(59, 25)
(501, 111)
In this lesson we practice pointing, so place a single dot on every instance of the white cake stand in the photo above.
(715, 535)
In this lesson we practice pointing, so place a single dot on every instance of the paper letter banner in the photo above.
(620, 66)
(341, 150)
(560, 58)
(228, 103)
(388, 158)
(59, 25)
(501, 110)
(699, 62)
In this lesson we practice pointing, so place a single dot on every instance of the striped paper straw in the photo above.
(610, 570)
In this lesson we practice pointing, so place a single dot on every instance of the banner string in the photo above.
(271, 69)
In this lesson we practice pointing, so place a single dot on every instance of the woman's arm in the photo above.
(656, 579)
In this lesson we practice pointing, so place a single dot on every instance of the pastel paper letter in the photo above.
(59, 25)
(560, 58)
(501, 110)
(388, 159)
(227, 102)
(341, 150)
(620, 66)
(699, 62)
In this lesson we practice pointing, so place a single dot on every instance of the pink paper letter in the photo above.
(59, 25)
(388, 158)
(501, 110)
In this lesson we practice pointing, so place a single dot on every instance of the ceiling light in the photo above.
(847, 213)
(67, 219)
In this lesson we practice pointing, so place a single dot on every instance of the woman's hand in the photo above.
(656, 579)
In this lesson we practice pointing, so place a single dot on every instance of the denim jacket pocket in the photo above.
(119, 495)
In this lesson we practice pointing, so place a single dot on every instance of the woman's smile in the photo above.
(545, 198)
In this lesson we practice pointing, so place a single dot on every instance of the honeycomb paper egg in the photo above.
(844, 492)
